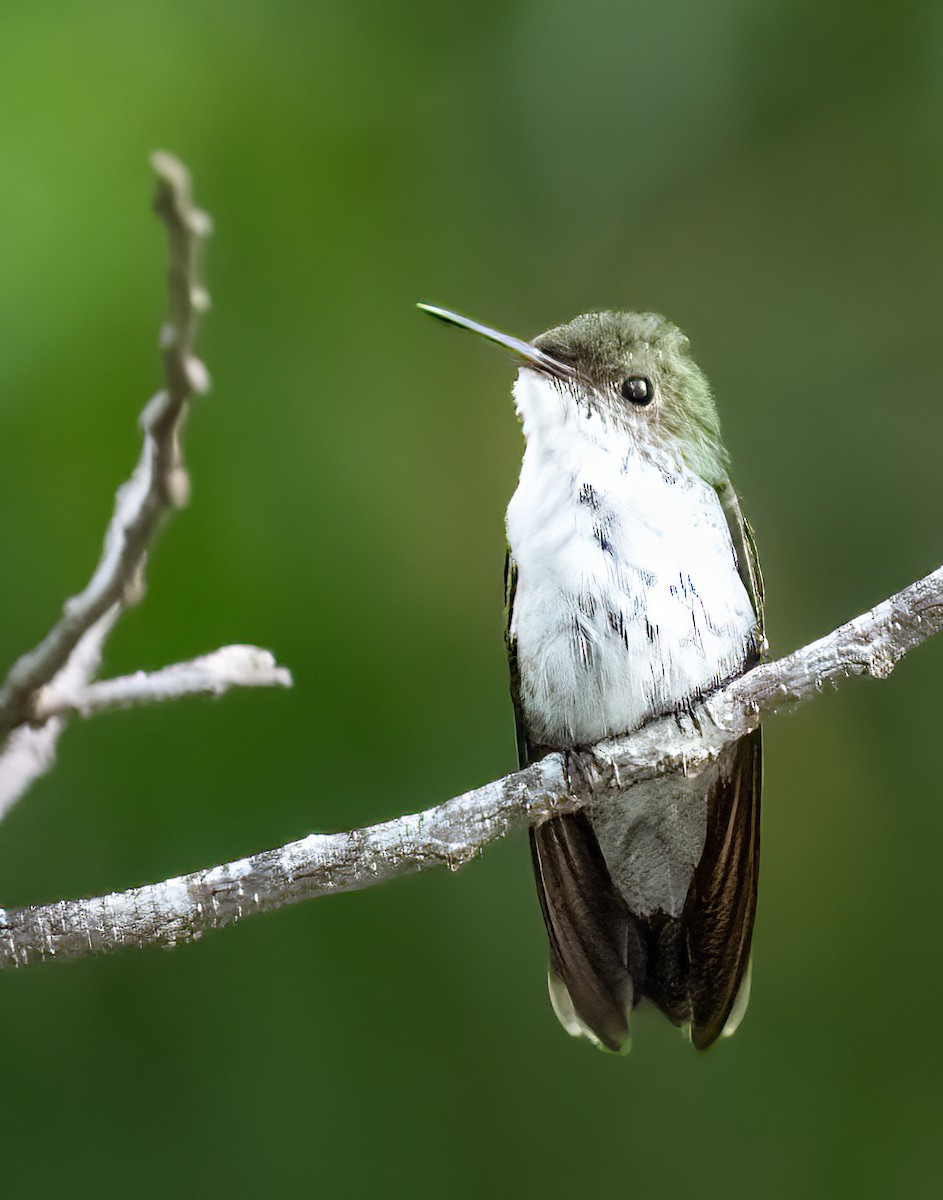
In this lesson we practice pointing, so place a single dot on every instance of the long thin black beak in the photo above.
(530, 353)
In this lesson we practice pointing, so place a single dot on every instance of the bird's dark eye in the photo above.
(638, 389)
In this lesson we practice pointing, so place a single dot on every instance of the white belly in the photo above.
(628, 599)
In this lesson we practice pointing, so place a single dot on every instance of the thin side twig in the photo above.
(453, 833)
(210, 675)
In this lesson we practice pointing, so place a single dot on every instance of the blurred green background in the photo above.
(771, 177)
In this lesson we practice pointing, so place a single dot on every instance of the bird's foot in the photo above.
(587, 774)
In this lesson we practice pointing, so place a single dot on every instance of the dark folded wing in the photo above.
(589, 927)
(717, 918)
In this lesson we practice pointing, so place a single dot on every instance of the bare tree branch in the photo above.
(159, 480)
(453, 833)
(54, 678)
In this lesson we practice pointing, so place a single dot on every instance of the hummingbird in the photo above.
(633, 590)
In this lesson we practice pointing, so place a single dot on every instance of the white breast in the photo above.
(628, 596)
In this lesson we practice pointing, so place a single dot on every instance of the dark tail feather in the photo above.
(693, 966)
